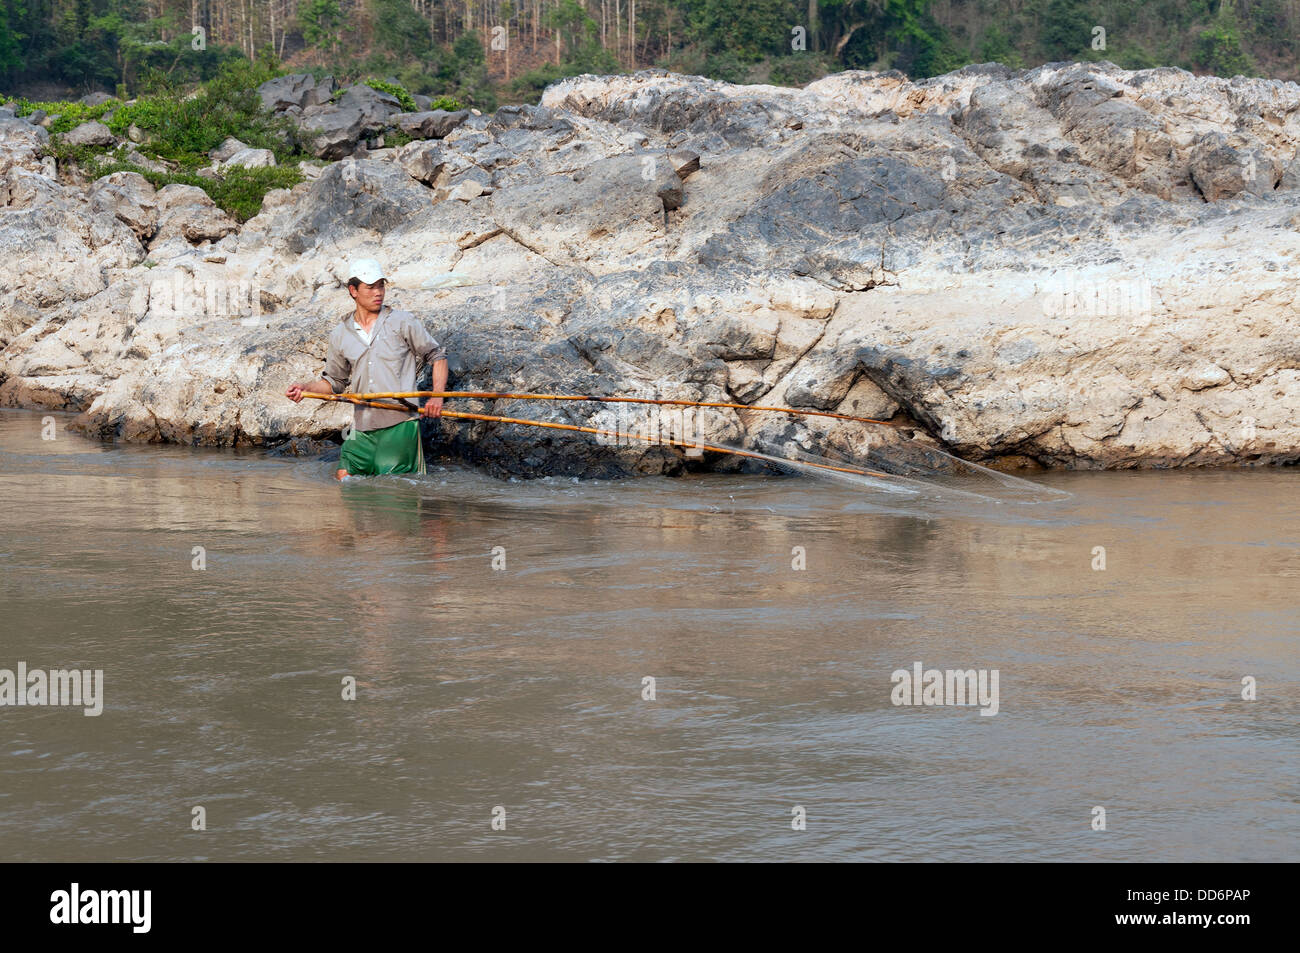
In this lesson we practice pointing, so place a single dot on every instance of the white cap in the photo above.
(366, 270)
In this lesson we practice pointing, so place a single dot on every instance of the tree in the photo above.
(12, 12)
(320, 22)
(1067, 30)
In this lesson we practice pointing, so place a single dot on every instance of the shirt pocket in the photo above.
(390, 348)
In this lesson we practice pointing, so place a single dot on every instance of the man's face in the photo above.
(370, 297)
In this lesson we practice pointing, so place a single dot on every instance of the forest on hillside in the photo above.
(484, 52)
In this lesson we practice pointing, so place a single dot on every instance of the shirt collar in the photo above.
(356, 325)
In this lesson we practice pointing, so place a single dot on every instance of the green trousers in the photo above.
(395, 449)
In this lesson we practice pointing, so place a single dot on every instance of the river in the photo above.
(500, 635)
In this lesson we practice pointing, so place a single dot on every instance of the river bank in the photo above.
(1075, 265)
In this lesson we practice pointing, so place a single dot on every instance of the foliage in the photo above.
(799, 69)
(185, 127)
(239, 191)
(1067, 31)
(11, 57)
(996, 46)
(395, 90)
(1218, 49)
(321, 22)
(70, 115)
(146, 48)
(399, 30)
(747, 31)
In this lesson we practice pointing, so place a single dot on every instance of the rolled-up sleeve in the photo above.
(337, 369)
(422, 343)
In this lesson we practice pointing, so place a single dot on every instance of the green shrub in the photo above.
(71, 115)
(996, 46)
(530, 84)
(398, 28)
(1067, 31)
(1218, 50)
(1136, 57)
(799, 69)
(396, 138)
(239, 191)
(728, 67)
(394, 90)
(184, 128)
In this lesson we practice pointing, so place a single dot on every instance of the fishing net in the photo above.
(870, 454)
(875, 456)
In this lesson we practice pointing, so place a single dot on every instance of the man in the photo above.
(378, 350)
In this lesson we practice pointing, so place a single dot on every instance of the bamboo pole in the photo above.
(460, 415)
(492, 395)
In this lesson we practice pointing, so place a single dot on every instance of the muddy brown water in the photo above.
(522, 688)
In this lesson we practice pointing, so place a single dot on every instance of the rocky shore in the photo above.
(1076, 265)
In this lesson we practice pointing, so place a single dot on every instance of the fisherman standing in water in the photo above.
(378, 350)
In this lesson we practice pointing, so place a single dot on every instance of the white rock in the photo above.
(250, 159)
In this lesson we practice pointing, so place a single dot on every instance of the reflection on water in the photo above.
(522, 686)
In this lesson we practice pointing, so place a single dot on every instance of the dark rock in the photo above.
(434, 124)
(299, 90)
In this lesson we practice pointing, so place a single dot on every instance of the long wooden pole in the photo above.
(460, 415)
(492, 395)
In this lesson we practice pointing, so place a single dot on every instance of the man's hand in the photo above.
(433, 407)
(295, 392)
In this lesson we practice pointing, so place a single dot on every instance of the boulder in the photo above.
(187, 212)
(1222, 169)
(298, 90)
(130, 198)
(424, 160)
(229, 147)
(22, 145)
(333, 133)
(90, 134)
(250, 159)
(435, 124)
(354, 195)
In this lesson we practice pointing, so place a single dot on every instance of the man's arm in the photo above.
(433, 406)
(429, 351)
(334, 379)
(318, 386)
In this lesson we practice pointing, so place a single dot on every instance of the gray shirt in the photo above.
(399, 345)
